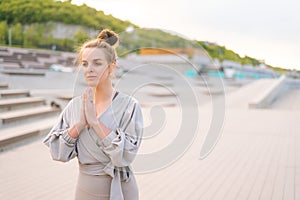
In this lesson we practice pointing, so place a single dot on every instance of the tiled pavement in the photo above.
(257, 157)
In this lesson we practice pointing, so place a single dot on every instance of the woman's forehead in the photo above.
(93, 54)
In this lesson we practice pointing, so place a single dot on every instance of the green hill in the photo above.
(42, 11)
(31, 23)
(220, 52)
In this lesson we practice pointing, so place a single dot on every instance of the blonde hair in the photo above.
(106, 40)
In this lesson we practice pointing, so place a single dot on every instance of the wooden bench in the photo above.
(9, 104)
(13, 116)
(14, 93)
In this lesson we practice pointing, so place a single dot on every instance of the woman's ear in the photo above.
(112, 66)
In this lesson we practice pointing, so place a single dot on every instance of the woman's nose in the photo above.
(90, 67)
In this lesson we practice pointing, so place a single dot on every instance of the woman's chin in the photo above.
(91, 84)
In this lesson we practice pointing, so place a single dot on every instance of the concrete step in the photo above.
(31, 64)
(10, 59)
(14, 93)
(23, 72)
(162, 104)
(10, 65)
(3, 85)
(25, 114)
(244, 95)
(270, 94)
(65, 97)
(17, 103)
(43, 55)
(21, 132)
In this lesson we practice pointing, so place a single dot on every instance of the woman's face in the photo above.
(95, 66)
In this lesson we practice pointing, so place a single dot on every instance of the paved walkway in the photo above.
(257, 157)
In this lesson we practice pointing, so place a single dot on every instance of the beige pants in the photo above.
(91, 187)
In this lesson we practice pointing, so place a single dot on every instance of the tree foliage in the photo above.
(17, 34)
(80, 37)
(3, 32)
(221, 53)
(42, 11)
(30, 22)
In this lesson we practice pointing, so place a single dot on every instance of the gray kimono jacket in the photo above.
(111, 155)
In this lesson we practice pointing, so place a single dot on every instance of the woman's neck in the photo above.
(103, 93)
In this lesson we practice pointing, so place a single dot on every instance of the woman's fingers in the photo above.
(90, 110)
(90, 93)
(82, 114)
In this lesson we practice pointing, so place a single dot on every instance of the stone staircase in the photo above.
(19, 58)
(23, 116)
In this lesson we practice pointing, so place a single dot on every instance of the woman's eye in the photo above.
(84, 64)
(98, 63)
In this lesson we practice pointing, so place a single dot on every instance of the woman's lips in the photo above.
(91, 77)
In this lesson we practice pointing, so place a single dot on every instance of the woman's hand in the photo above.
(89, 108)
(76, 129)
(91, 115)
(83, 121)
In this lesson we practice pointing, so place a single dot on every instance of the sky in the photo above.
(267, 30)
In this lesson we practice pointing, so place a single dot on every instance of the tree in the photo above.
(80, 37)
(32, 35)
(3, 32)
(17, 34)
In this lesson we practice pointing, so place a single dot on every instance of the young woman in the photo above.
(102, 128)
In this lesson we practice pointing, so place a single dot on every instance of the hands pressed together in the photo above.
(88, 117)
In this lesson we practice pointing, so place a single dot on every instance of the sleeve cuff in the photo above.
(107, 140)
(68, 138)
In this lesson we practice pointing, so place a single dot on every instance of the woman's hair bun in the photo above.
(109, 37)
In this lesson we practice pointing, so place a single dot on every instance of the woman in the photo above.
(103, 128)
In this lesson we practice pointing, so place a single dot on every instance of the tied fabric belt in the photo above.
(118, 174)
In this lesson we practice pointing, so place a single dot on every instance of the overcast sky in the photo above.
(264, 29)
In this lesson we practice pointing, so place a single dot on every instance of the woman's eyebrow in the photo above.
(97, 59)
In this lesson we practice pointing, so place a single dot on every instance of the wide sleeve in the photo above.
(62, 146)
(122, 144)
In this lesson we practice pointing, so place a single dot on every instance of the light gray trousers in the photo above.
(91, 187)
